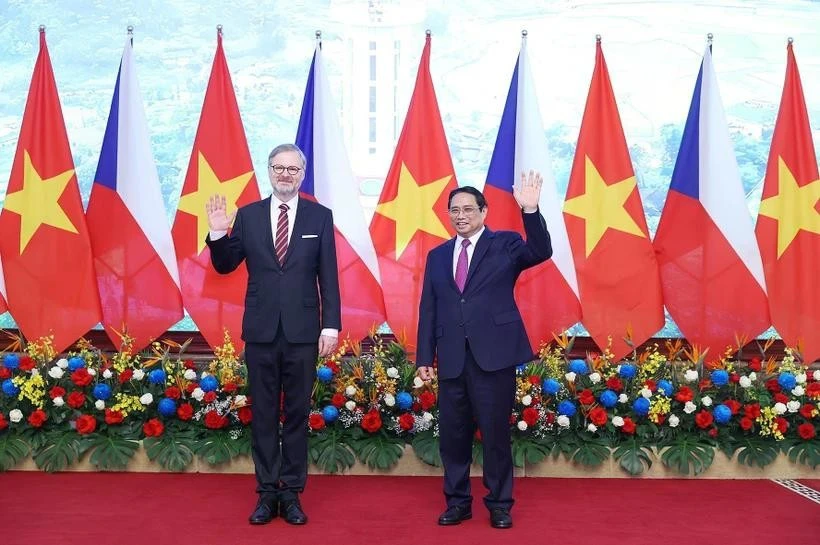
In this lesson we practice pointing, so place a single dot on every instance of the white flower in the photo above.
(15, 415)
(563, 421)
(526, 400)
(100, 404)
(646, 392)
(745, 382)
(62, 363)
(816, 375)
(107, 373)
(793, 406)
(147, 399)
(392, 372)
(617, 421)
(706, 400)
(800, 378)
(56, 372)
(570, 377)
(350, 391)
(198, 393)
(35, 372)
(389, 400)
(689, 407)
(595, 378)
(190, 374)
(139, 374)
(691, 375)
(753, 376)
(58, 401)
(350, 405)
(673, 421)
(92, 372)
(522, 425)
(240, 400)
(427, 417)
(204, 374)
(417, 382)
(592, 427)
(623, 398)
(779, 408)
(798, 391)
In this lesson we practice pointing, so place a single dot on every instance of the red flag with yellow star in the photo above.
(220, 164)
(788, 223)
(618, 279)
(411, 217)
(50, 281)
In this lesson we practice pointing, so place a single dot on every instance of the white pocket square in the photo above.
(310, 236)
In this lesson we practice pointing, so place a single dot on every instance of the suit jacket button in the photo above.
(461, 324)
(464, 300)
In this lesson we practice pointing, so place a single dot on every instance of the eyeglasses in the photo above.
(467, 211)
(279, 169)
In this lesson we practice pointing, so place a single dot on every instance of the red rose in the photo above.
(629, 426)
(189, 389)
(56, 391)
(781, 398)
(755, 364)
(189, 364)
(316, 421)
(734, 378)
(372, 421)
(86, 424)
(113, 418)
(153, 428)
(125, 376)
(772, 385)
(782, 424)
(713, 432)
(752, 410)
(210, 397)
(26, 363)
(704, 419)
(807, 411)
(406, 421)
(338, 400)
(3, 422)
(76, 399)
(172, 392)
(245, 415)
(746, 423)
(598, 416)
(550, 417)
(215, 421)
(535, 380)
(530, 416)
(81, 378)
(4, 373)
(37, 418)
(185, 412)
(427, 400)
(806, 431)
(416, 407)
(733, 405)
(813, 390)
(586, 397)
(614, 384)
(477, 435)
(684, 394)
(229, 387)
(704, 384)
(651, 384)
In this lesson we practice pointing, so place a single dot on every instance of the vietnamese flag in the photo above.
(618, 279)
(46, 252)
(788, 223)
(220, 164)
(411, 218)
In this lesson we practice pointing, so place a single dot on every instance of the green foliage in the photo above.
(688, 454)
(806, 453)
(217, 447)
(426, 446)
(753, 451)
(13, 449)
(528, 451)
(329, 451)
(378, 450)
(110, 452)
(60, 450)
(172, 451)
(633, 457)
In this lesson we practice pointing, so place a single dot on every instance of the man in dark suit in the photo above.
(292, 315)
(469, 322)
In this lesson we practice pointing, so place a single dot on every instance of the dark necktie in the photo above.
(281, 243)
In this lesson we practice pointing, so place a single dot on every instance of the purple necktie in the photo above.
(461, 265)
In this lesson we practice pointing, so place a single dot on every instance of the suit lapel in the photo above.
(449, 248)
(268, 226)
(480, 251)
(299, 226)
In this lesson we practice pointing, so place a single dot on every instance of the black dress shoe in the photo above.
(455, 514)
(292, 512)
(500, 518)
(264, 513)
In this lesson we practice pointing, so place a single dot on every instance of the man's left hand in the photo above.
(327, 345)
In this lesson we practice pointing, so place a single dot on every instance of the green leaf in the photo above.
(172, 451)
(329, 451)
(379, 450)
(110, 452)
(13, 448)
(426, 446)
(478, 453)
(591, 452)
(528, 450)
(217, 447)
(60, 450)
(685, 453)
(633, 457)
(755, 451)
(806, 453)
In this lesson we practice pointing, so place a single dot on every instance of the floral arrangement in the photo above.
(667, 404)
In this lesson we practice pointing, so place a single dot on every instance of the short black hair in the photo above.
(479, 196)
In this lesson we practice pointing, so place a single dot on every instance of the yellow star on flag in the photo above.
(602, 206)
(413, 209)
(208, 185)
(794, 207)
(37, 203)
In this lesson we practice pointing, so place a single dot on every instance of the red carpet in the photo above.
(154, 509)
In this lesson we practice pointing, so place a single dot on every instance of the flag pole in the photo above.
(598, 39)
(130, 30)
(219, 30)
(523, 37)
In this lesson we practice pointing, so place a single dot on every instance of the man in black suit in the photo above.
(469, 322)
(292, 315)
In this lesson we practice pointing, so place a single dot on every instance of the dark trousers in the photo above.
(482, 398)
(280, 460)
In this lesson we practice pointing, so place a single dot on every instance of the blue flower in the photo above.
(167, 407)
(551, 386)
(720, 377)
(9, 388)
(627, 371)
(520, 368)
(157, 376)
(403, 400)
(75, 363)
(102, 391)
(567, 408)
(666, 387)
(722, 413)
(579, 367)
(11, 361)
(330, 414)
(209, 383)
(787, 381)
(608, 398)
(641, 406)
(324, 374)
